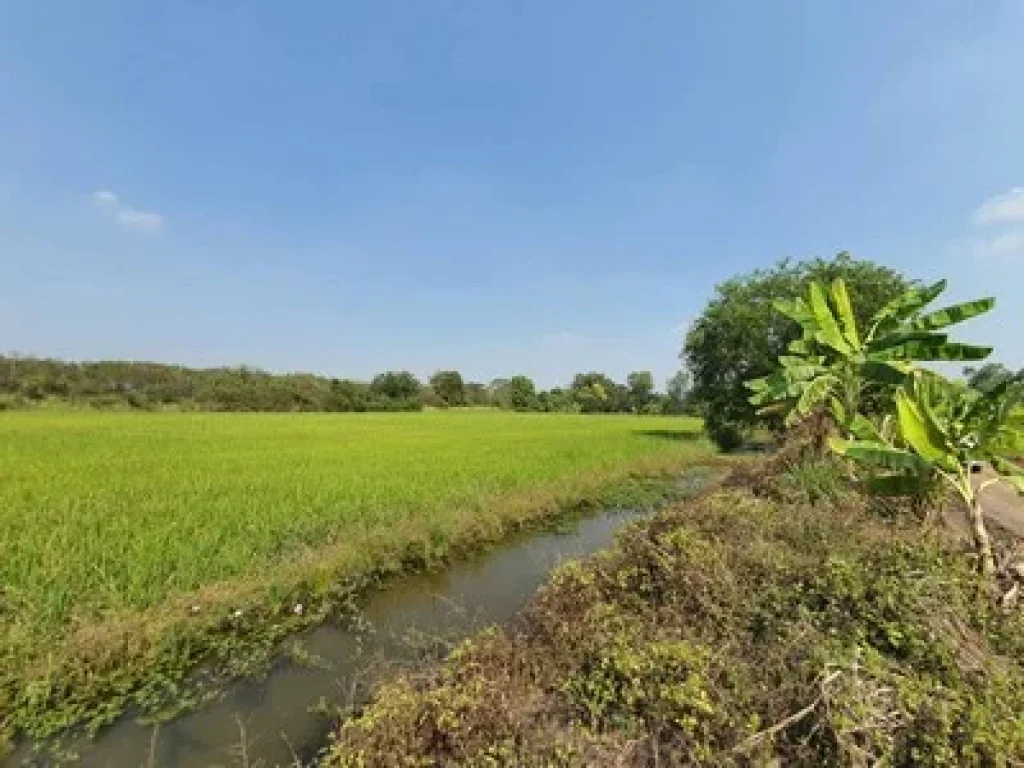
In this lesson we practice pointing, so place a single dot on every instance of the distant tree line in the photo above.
(30, 381)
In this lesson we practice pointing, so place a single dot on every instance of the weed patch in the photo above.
(737, 629)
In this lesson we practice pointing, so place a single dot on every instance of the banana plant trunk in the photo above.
(982, 542)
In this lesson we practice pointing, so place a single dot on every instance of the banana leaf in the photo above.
(828, 329)
(886, 371)
(815, 393)
(863, 428)
(879, 455)
(903, 306)
(919, 429)
(925, 351)
(900, 338)
(956, 313)
(841, 299)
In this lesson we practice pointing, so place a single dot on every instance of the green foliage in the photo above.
(152, 513)
(449, 386)
(114, 385)
(678, 391)
(991, 375)
(477, 395)
(396, 385)
(945, 427)
(725, 433)
(815, 481)
(629, 685)
(38, 383)
(640, 386)
(941, 427)
(558, 400)
(735, 630)
(834, 366)
(516, 394)
(347, 395)
(740, 336)
(595, 392)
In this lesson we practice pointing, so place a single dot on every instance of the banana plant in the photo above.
(834, 363)
(945, 429)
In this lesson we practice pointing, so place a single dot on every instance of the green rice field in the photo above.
(120, 510)
(135, 546)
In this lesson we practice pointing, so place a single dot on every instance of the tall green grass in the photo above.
(120, 510)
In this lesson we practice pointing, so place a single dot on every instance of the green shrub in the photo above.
(814, 482)
(728, 435)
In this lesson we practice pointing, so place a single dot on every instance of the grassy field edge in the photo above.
(144, 660)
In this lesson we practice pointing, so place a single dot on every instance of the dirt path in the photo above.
(1002, 504)
(1003, 508)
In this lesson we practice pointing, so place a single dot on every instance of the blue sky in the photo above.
(493, 186)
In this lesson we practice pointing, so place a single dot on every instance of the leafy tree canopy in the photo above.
(449, 386)
(594, 392)
(990, 376)
(398, 385)
(640, 386)
(517, 393)
(740, 336)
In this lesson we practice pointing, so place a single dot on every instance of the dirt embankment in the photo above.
(793, 624)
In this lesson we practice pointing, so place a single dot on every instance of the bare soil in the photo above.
(1002, 504)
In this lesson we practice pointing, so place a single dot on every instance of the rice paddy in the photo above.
(104, 511)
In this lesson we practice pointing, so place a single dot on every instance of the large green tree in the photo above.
(517, 393)
(641, 389)
(739, 335)
(477, 394)
(595, 392)
(449, 386)
(677, 393)
(397, 385)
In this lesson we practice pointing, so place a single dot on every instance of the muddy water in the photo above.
(280, 719)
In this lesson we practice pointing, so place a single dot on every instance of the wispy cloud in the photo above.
(1005, 207)
(126, 216)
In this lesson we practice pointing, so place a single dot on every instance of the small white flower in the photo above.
(297, 610)
(194, 609)
(238, 613)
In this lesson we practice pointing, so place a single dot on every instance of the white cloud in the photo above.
(1009, 206)
(126, 216)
